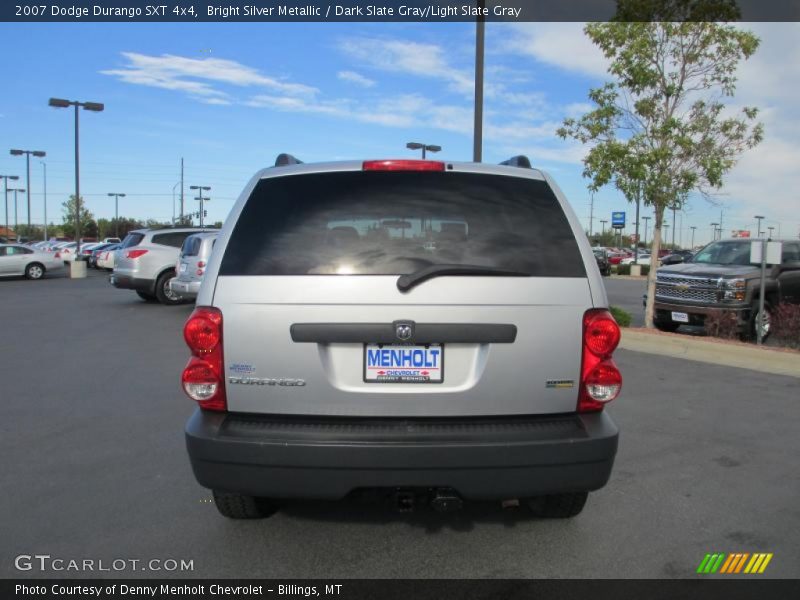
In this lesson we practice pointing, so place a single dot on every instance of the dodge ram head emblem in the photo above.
(404, 331)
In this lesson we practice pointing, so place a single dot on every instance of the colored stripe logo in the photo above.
(735, 563)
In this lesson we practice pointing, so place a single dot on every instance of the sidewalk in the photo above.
(714, 351)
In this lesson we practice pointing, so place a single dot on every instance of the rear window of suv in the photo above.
(132, 239)
(396, 223)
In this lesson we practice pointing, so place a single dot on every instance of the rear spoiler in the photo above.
(520, 161)
(284, 160)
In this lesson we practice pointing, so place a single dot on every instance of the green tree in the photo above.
(660, 130)
(87, 222)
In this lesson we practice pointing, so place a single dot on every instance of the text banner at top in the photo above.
(420, 11)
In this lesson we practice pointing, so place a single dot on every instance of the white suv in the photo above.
(438, 330)
(146, 262)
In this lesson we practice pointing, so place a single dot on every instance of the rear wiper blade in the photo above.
(406, 282)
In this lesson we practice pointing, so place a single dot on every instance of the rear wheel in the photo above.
(34, 271)
(163, 293)
(558, 506)
(238, 506)
(146, 297)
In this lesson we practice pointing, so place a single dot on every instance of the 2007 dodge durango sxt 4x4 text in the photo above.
(436, 330)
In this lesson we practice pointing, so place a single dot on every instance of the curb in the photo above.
(730, 354)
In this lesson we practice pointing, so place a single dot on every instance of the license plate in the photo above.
(395, 363)
(183, 268)
(680, 317)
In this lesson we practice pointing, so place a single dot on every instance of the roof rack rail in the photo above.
(520, 161)
(284, 160)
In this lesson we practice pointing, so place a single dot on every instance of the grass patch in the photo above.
(623, 318)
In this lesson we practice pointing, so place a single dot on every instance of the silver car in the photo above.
(195, 254)
(16, 259)
(146, 262)
(437, 330)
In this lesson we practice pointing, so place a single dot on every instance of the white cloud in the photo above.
(357, 78)
(562, 45)
(195, 76)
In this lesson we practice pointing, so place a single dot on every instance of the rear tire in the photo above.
(239, 506)
(34, 271)
(163, 293)
(146, 297)
(558, 506)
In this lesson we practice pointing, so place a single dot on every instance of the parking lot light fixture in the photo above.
(90, 106)
(27, 153)
(5, 179)
(16, 225)
(116, 211)
(714, 234)
(200, 189)
(759, 218)
(693, 229)
(423, 147)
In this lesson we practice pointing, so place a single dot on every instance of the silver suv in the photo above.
(191, 266)
(146, 262)
(436, 330)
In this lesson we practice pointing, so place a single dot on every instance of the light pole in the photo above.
(714, 236)
(16, 231)
(44, 167)
(94, 107)
(27, 153)
(759, 218)
(771, 229)
(665, 228)
(173, 202)
(200, 189)
(674, 208)
(645, 219)
(603, 224)
(477, 125)
(5, 179)
(423, 147)
(692, 228)
(116, 211)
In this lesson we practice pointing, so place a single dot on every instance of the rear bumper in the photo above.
(185, 289)
(126, 282)
(322, 457)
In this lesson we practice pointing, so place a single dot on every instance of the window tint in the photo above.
(3, 251)
(173, 238)
(17, 250)
(132, 239)
(791, 252)
(395, 223)
(191, 246)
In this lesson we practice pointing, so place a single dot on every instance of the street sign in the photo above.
(774, 251)
(618, 220)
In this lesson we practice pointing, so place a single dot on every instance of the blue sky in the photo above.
(228, 97)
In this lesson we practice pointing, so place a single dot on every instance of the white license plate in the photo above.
(390, 363)
(680, 317)
(183, 268)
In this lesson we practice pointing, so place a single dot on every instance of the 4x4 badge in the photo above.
(404, 330)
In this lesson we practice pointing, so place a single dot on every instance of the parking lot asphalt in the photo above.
(94, 467)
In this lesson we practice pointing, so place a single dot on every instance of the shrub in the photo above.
(622, 317)
(722, 324)
(785, 324)
(626, 269)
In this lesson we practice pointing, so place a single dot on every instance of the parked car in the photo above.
(17, 259)
(105, 258)
(601, 256)
(86, 250)
(644, 259)
(112, 240)
(720, 278)
(67, 251)
(146, 262)
(358, 355)
(95, 252)
(191, 266)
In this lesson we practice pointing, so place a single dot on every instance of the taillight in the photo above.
(201, 264)
(58, 255)
(135, 253)
(402, 165)
(601, 380)
(199, 272)
(203, 378)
